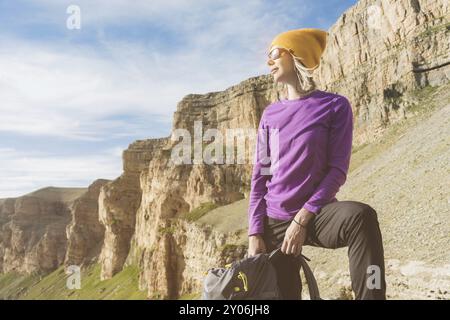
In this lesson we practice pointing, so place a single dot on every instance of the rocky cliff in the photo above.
(379, 54)
(85, 233)
(118, 203)
(33, 230)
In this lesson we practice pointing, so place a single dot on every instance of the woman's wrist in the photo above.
(299, 223)
(303, 217)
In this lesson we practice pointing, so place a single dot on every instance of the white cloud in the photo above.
(67, 90)
(60, 89)
(68, 94)
(23, 172)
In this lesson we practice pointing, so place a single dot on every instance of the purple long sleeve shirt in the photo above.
(308, 144)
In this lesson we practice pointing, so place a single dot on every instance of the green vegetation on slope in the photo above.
(13, 285)
(191, 296)
(201, 210)
(122, 286)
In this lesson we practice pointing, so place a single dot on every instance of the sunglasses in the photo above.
(276, 53)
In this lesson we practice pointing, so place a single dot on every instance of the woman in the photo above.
(302, 159)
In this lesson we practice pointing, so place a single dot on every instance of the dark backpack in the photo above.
(251, 278)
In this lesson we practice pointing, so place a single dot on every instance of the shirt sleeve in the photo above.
(261, 174)
(339, 152)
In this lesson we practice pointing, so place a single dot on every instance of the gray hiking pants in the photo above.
(338, 224)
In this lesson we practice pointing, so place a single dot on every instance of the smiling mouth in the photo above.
(274, 70)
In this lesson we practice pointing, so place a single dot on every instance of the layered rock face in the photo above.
(181, 254)
(379, 52)
(85, 233)
(171, 190)
(118, 203)
(49, 227)
(32, 234)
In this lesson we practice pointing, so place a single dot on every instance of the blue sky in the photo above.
(72, 100)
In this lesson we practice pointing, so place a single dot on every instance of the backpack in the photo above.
(251, 278)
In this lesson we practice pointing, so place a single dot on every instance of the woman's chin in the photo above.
(277, 78)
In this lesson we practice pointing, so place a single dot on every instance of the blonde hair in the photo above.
(305, 83)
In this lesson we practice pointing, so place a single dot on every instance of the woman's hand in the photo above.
(295, 235)
(256, 245)
(294, 239)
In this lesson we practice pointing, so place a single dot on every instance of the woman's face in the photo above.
(281, 65)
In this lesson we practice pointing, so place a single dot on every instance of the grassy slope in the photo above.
(123, 285)
(58, 194)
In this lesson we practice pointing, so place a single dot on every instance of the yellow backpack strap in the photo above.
(243, 277)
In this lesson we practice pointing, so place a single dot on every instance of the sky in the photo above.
(72, 99)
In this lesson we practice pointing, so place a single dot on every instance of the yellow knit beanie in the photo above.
(308, 44)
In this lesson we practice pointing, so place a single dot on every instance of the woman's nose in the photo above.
(270, 62)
